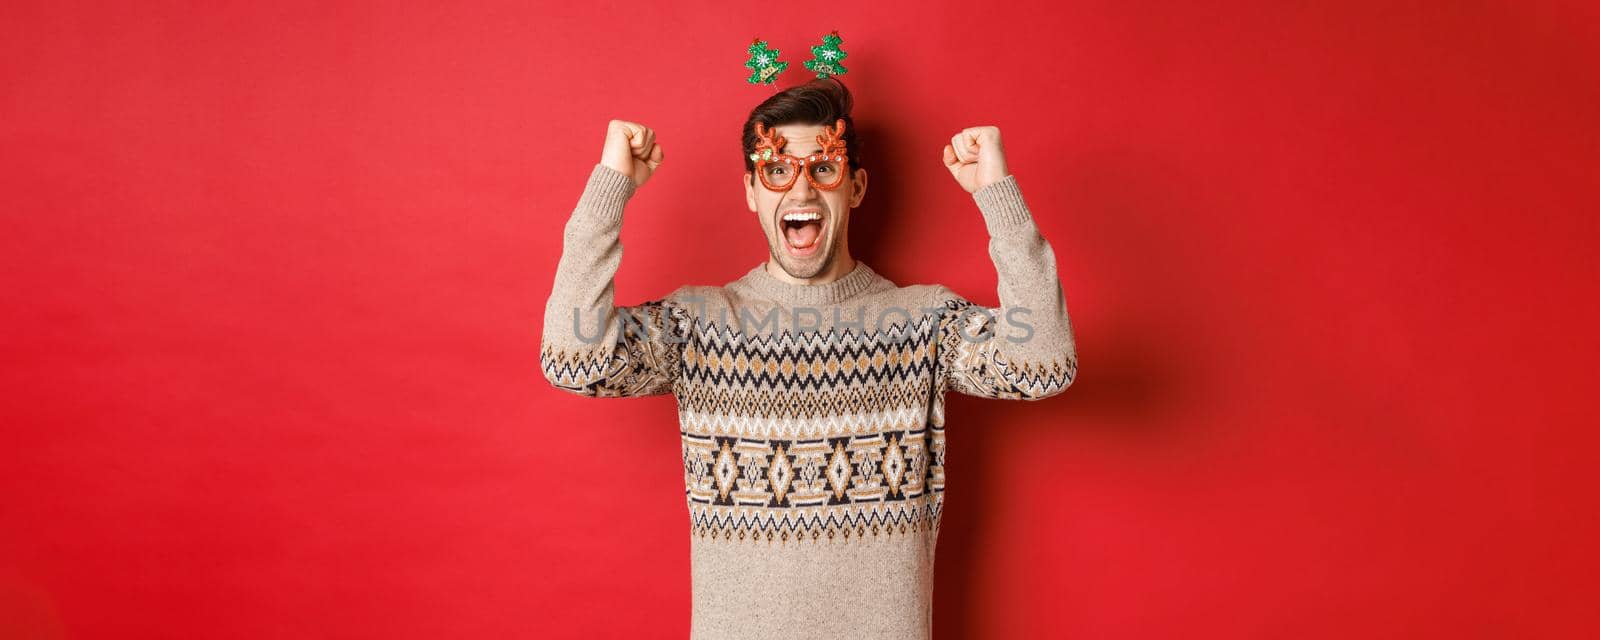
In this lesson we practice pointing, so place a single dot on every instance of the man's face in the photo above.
(805, 248)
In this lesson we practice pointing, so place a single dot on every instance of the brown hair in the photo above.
(819, 102)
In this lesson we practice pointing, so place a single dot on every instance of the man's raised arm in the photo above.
(590, 347)
(1024, 349)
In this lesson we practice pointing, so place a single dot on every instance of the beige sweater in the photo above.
(812, 417)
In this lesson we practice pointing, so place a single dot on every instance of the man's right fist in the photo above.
(631, 150)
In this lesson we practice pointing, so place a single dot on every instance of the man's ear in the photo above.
(859, 190)
(750, 191)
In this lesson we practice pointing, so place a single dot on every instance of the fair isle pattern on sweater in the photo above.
(801, 445)
(809, 436)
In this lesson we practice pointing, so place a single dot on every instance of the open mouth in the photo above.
(802, 231)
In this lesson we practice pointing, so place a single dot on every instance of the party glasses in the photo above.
(824, 169)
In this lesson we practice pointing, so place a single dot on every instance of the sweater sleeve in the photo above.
(590, 347)
(1023, 349)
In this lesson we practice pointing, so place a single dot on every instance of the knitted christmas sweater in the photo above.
(811, 416)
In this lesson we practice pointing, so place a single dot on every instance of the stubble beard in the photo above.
(792, 265)
(796, 270)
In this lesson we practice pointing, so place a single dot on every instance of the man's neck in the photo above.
(840, 268)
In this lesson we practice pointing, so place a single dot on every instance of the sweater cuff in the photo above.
(1002, 205)
(604, 195)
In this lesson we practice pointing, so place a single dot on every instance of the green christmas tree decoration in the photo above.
(764, 64)
(827, 56)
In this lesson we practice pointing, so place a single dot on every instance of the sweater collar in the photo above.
(857, 281)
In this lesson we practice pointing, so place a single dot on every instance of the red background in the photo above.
(274, 273)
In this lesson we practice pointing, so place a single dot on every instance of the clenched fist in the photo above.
(976, 158)
(631, 150)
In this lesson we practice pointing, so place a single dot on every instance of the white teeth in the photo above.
(802, 216)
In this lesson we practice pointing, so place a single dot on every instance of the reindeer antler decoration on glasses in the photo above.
(824, 169)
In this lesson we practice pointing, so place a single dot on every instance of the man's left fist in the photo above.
(976, 158)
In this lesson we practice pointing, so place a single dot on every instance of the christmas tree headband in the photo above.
(765, 66)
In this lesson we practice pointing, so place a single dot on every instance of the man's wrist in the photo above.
(605, 194)
(1002, 205)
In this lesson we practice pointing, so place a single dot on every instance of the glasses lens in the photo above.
(778, 174)
(827, 172)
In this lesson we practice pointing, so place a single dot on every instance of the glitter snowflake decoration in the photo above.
(763, 63)
(827, 56)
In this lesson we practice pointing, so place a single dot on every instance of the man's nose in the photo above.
(801, 189)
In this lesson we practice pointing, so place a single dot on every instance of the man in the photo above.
(811, 389)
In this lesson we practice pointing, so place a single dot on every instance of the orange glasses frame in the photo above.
(769, 150)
